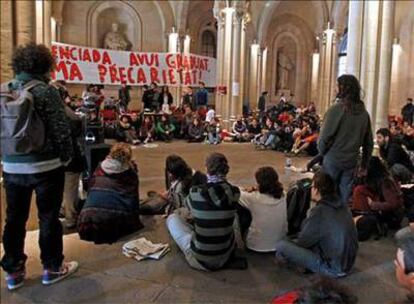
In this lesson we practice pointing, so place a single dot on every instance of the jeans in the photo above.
(182, 233)
(343, 178)
(213, 138)
(404, 234)
(48, 187)
(302, 257)
(270, 140)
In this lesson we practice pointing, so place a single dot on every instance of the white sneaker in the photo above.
(51, 277)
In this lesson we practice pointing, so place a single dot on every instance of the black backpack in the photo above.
(298, 203)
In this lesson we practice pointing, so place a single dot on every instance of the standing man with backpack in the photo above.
(35, 146)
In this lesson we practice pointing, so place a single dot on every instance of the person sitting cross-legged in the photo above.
(268, 215)
(210, 243)
(328, 241)
(111, 210)
(196, 131)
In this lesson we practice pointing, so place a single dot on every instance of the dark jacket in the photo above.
(407, 112)
(124, 95)
(161, 99)
(202, 97)
(111, 209)
(147, 98)
(343, 133)
(78, 162)
(262, 104)
(49, 106)
(330, 232)
(195, 131)
(393, 154)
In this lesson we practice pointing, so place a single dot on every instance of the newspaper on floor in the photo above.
(142, 248)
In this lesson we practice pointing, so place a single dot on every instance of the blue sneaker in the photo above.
(50, 277)
(15, 280)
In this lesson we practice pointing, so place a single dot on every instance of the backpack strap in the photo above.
(31, 84)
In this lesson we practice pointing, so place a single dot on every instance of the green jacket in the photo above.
(50, 108)
(343, 133)
(161, 127)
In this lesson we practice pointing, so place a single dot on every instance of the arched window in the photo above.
(208, 44)
(342, 52)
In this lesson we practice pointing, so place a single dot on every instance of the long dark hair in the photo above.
(179, 169)
(268, 182)
(377, 176)
(349, 91)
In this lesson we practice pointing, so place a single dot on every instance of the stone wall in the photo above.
(6, 38)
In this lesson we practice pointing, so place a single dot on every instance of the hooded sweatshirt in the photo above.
(330, 232)
(343, 133)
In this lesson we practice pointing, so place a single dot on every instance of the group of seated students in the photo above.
(282, 127)
(202, 208)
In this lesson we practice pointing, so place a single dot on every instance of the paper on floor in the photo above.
(142, 248)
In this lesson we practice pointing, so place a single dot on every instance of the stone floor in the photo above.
(106, 276)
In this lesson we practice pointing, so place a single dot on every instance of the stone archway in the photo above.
(99, 21)
(304, 45)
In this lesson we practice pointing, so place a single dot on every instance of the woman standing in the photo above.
(346, 128)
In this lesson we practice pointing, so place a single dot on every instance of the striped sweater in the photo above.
(213, 207)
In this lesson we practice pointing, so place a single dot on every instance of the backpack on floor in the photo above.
(298, 203)
(22, 130)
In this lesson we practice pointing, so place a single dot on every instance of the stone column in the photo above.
(263, 71)
(7, 31)
(236, 107)
(355, 25)
(370, 55)
(47, 27)
(327, 69)
(229, 69)
(242, 62)
(254, 70)
(25, 21)
(173, 48)
(384, 69)
(219, 59)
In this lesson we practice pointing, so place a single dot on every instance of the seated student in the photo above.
(379, 193)
(408, 139)
(214, 131)
(196, 131)
(210, 243)
(165, 129)
(404, 267)
(307, 141)
(210, 114)
(136, 121)
(186, 121)
(239, 130)
(146, 130)
(266, 134)
(111, 209)
(178, 179)
(328, 241)
(392, 152)
(126, 131)
(254, 129)
(267, 206)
